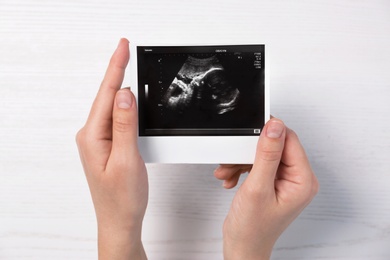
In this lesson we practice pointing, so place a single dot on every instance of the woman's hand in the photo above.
(115, 171)
(280, 185)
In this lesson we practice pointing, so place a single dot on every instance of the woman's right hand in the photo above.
(280, 185)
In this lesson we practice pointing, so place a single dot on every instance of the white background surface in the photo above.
(330, 81)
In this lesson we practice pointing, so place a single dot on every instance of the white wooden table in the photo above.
(330, 81)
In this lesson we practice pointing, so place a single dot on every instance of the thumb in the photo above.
(268, 155)
(124, 125)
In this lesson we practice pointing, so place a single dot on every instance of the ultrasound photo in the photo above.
(201, 84)
(200, 90)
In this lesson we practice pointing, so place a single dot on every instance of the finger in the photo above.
(232, 182)
(229, 165)
(226, 171)
(268, 155)
(294, 156)
(294, 152)
(100, 116)
(295, 173)
(124, 126)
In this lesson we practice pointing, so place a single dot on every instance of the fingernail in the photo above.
(123, 99)
(275, 129)
(120, 40)
(224, 184)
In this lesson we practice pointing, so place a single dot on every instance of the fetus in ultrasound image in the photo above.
(202, 85)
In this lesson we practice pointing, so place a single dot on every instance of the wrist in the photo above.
(246, 247)
(245, 252)
(116, 243)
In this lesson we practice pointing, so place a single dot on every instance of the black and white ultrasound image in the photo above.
(201, 91)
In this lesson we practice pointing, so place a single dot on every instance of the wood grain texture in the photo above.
(330, 82)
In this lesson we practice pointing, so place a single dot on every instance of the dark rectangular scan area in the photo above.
(201, 90)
